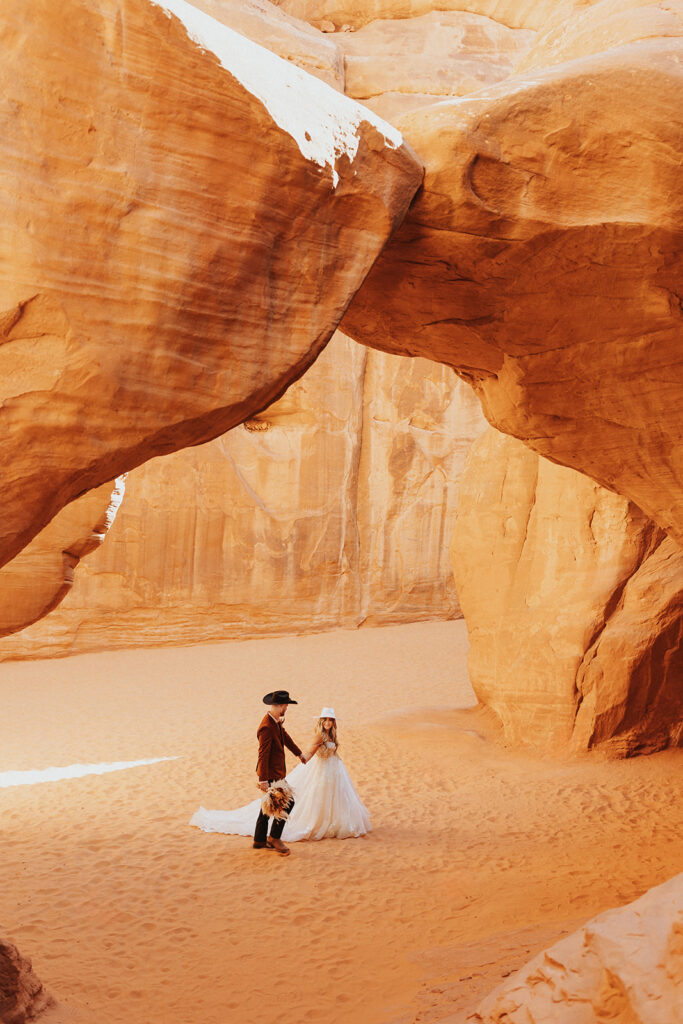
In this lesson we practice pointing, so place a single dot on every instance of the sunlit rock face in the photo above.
(291, 38)
(386, 436)
(542, 259)
(41, 575)
(332, 508)
(394, 64)
(574, 602)
(624, 965)
(185, 219)
(401, 56)
(22, 996)
(353, 14)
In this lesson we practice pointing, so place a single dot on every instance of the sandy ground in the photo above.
(479, 856)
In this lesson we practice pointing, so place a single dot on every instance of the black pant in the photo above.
(261, 830)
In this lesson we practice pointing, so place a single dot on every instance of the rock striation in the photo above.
(290, 38)
(542, 257)
(331, 508)
(351, 15)
(542, 261)
(186, 217)
(394, 65)
(624, 965)
(41, 575)
(629, 681)
(593, 587)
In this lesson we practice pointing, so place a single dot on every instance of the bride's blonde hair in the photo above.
(326, 735)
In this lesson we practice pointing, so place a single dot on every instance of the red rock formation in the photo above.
(41, 575)
(395, 64)
(288, 37)
(331, 508)
(625, 965)
(574, 602)
(629, 682)
(353, 14)
(525, 212)
(185, 219)
(22, 996)
(541, 259)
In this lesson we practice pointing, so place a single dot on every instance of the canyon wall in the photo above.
(574, 601)
(348, 522)
(40, 576)
(332, 508)
(186, 217)
(540, 261)
(542, 257)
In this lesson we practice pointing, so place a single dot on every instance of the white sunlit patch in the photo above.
(72, 771)
(323, 122)
(114, 505)
(115, 500)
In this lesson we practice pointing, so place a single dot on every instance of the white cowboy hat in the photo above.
(327, 713)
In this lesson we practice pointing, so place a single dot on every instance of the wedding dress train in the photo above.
(327, 806)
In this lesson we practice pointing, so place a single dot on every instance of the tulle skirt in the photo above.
(327, 806)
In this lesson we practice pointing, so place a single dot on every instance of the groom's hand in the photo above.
(302, 759)
(263, 786)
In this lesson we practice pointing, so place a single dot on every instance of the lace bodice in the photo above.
(327, 749)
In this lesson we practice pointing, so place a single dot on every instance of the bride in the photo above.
(327, 805)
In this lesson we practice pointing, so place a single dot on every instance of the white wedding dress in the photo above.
(326, 806)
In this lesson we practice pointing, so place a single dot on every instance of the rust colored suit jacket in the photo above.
(272, 740)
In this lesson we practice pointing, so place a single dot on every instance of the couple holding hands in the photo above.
(317, 800)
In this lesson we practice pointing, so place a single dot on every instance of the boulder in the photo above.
(22, 995)
(625, 965)
(185, 219)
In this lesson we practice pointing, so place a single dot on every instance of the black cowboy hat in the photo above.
(279, 697)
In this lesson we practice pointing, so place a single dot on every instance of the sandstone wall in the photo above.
(629, 682)
(353, 14)
(542, 257)
(350, 520)
(574, 603)
(625, 965)
(185, 218)
(394, 65)
(41, 575)
(332, 508)
(542, 260)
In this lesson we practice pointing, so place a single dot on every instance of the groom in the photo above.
(272, 740)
